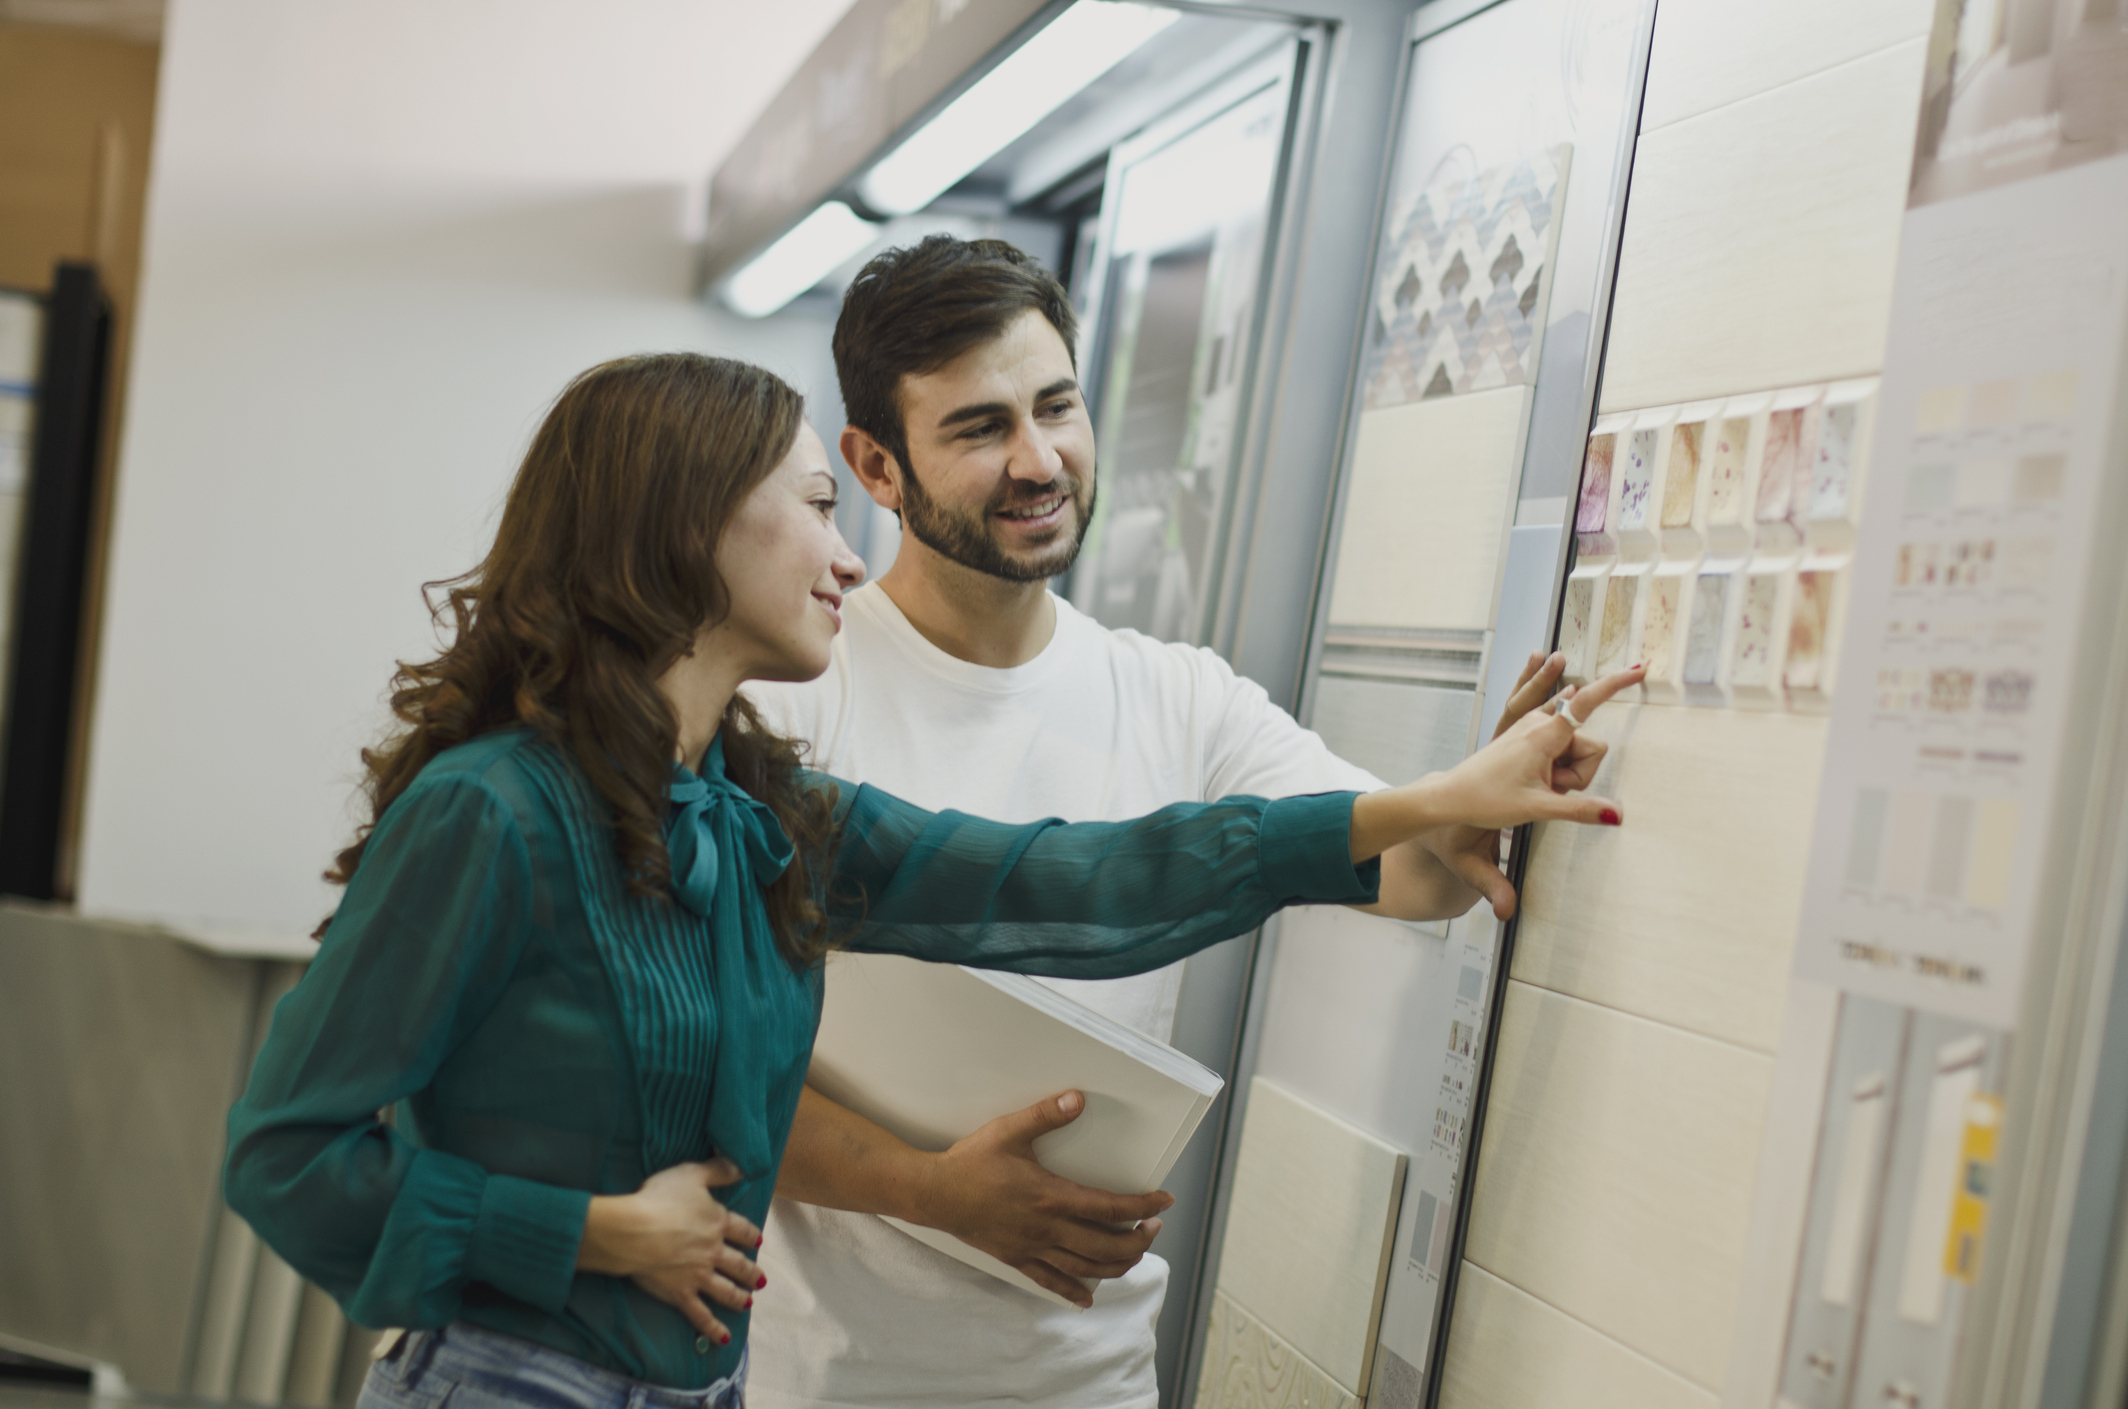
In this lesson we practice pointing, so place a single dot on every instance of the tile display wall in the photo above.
(1712, 543)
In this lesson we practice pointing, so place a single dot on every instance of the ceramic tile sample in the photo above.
(1681, 473)
(1614, 641)
(1508, 1350)
(1459, 300)
(1710, 53)
(1728, 445)
(1309, 1224)
(1656, 917)
(1761, 235)
(1659, 643)
(1637, 478)
(1615, 1178)
(1593, 505)
(1808, 621)
(1703, 640)
(1835, 472)
(1753, 665)
(1433, 486)
(1577, 625)
(1247, 1366)
(1784, 470)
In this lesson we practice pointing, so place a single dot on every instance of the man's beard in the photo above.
(968, 540)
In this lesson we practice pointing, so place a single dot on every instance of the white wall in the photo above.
(381, 236)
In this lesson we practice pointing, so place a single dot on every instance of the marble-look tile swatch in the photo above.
(1783, 465)
(1728, 442)
(1829, 480)
(1807, 625)
(1637, 479)
(1574, 617)
(1617, 634)
(1754, 631)
(1681, 480)
(1595, 503)
(1703, 642)
(1658, 629)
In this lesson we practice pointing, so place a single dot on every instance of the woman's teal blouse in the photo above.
(547, 1035)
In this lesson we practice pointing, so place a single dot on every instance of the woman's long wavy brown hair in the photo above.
(602, 574)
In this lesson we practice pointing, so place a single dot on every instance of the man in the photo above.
(960, 681)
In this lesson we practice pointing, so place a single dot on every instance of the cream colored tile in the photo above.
(1686, 914)
(1433, 483)
(1710, 53)
(1248, 1366)
(1508, 1350)
(1309, 1225)
(1760, 238)
(1615, 1177)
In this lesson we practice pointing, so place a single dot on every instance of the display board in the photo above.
(1472, 375)
(1944, 899)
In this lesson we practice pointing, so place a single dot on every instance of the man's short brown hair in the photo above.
(912, 310)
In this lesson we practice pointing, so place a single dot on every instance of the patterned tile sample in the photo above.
(1835, 462)
(1703, 644)
(1638, 479)
(1784, 469)
(1247, 1366)
(1807, 625)
(1658, 633)
(1574, 624)
(1681, 482)
(2007, 692)
(1754, 631)
(1725, 469)
(1617, 634)
(1594, 505)
(1458, 302)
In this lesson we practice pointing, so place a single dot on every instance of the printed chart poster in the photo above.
(1947, 743)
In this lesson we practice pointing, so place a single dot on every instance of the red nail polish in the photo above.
(762, 1283)
(1610, 817)
(749, 1304)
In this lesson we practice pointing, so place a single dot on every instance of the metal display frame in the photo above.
(1425, 23)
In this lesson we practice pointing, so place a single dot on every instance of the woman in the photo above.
(580, 946)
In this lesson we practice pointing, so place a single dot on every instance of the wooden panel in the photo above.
(1247, 1366)
(1309, 1224)
(1760, 238)
(1432, 484)
(1686, 914)
(1508, 1350)
(1615, 1177)
(1710, 53)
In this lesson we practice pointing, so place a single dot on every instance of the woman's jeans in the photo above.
(465, 1367)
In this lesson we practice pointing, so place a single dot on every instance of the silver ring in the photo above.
(1562, 705)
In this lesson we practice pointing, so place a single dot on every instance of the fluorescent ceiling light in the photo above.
(1035, 80)
(798, 261)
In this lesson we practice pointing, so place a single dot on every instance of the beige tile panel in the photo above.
(1508, 1350)
(1309, 1225)
(1710, 53)
(1248, 1366)
(1615, 1178)
(1760, 238)
(1686, 914)
(1433, 483)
